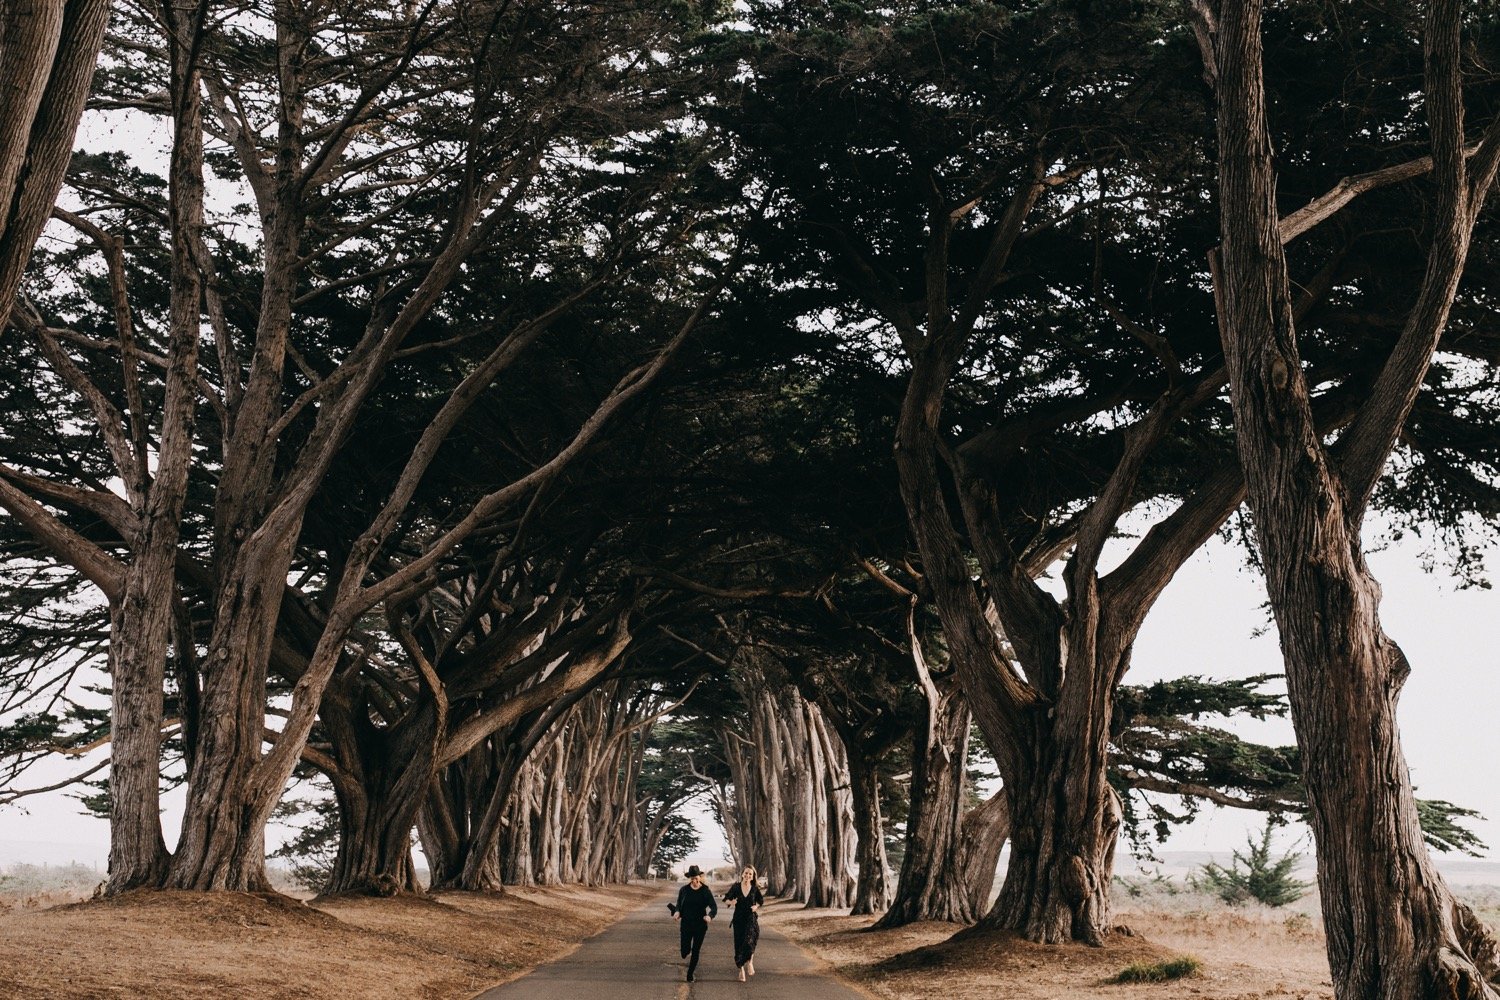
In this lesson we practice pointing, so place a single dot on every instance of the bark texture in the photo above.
(934, 873)
(49, 49)
(1394, 930)
(792, 813)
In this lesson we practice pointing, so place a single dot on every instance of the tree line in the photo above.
(529, 416)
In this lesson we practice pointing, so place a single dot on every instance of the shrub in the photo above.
(1254, 875)
(1158, 972)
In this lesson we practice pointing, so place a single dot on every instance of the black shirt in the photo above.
(693, 903)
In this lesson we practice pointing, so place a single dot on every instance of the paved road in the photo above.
(636, 959)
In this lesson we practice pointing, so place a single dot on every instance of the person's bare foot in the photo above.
(750, 967)
(742, 973)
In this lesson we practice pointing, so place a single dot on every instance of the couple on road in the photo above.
(696, 906)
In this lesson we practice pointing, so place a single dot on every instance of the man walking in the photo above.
(694, 909)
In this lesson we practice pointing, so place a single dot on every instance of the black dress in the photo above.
(746, 922)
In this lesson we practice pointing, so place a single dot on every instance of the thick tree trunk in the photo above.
(1394, 930)
(137, 851)
(374, 855)
(933, 880)
(481, 859)
(222, 845)
(831, 824)
(1063, 827)
(382, 781)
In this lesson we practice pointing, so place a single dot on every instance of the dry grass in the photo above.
(1242, 953)
(211, 946)
(208, 946)
(1248, 958)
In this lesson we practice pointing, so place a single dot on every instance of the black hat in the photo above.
(693, 872)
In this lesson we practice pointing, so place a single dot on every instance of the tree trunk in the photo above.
(1394, 930)
(933, 877)
(141, 624)
(1064, 823)
(382, 781)
(985, 829)
(222, 845)
(374, 855)
(831, 829)
(137, 851)
(872, 888)
(49, 50)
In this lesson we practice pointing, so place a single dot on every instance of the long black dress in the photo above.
(746, 922)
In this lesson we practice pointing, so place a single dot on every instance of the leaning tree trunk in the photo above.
(984, 830)
(1394, 930)
(933, 880)
(49, 50)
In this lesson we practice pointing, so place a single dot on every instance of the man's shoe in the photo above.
(690, 977)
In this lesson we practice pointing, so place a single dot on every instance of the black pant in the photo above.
(693, 932)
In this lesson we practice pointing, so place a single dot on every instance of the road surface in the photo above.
(636, 959)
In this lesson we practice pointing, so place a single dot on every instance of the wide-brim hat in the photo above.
(693, 871)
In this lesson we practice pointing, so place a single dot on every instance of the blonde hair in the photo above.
(753, 873)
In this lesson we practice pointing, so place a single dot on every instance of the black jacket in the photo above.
(692, 903)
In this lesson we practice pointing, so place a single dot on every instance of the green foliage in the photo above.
(1254, 875)
(311, 852)
(680, 840)
(1442, 832)
(1159, 972)
(1161, 744)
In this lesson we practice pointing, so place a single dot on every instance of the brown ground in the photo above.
(454, 945)
(1245, 952)
(197, 946)
(1243, 956)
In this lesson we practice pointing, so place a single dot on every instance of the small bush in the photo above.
(1255, 876)
(1158, 972)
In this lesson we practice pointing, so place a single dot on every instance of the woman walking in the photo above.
(746, 898)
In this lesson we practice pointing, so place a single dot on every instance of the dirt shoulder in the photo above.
(1241, 957)
(206, 946)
